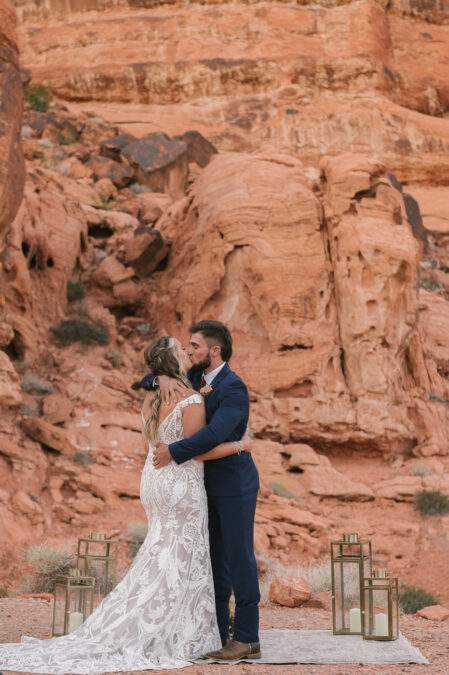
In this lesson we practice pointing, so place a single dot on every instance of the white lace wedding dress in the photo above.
(162, 614)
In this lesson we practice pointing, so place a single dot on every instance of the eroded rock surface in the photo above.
(12, 169)
(319, 281)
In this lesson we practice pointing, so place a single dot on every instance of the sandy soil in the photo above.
(33, 617)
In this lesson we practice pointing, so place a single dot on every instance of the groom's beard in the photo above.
(202, 365)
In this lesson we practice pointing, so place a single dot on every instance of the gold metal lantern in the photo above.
(351, 561)
(380, 620)
(97, 557)
(73, 601)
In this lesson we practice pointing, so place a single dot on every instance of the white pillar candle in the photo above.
(381, 625)
(75, 620)
(355, 623)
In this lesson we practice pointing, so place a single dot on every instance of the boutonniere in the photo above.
(206, 390)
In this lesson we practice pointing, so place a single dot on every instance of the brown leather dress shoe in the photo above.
(234, 651)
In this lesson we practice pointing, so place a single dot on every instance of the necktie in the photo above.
(203, 382)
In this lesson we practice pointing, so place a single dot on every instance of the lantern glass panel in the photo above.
(59, 610)
(381, 605)
(350, 559)
(73, 603)
(346, 591)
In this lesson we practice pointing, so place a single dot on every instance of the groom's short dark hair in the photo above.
(217, 331)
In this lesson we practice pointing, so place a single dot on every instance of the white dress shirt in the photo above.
(209, 377)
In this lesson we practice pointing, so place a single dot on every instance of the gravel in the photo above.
(33, 617)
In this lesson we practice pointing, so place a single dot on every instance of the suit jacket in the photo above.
(227, 410)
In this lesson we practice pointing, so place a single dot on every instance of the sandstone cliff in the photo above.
(312, 79)
(332, 279)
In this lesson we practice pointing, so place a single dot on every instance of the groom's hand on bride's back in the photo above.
(172, 390)
(247, 442)
(161, 456)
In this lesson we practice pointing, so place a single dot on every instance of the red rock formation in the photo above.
(324, 328)
(317, 81)
(433, 613)
(310, 261)
(12, 170)
(289, 591)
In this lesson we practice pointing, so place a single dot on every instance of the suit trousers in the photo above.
(231, 533)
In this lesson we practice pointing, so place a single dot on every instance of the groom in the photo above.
(231, 483)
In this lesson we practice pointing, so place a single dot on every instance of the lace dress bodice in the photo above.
(162, 613)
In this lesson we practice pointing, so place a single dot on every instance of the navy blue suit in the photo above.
(232, 484)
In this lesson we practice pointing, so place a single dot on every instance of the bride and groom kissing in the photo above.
(199, 488)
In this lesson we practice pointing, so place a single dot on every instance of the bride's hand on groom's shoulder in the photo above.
(172, 390)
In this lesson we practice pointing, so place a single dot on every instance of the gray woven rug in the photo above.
(321, 646)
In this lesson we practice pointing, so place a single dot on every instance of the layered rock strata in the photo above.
(316, 80)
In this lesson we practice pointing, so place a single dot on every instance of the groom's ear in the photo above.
(216, 350)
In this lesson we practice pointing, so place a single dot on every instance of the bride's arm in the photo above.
(194, 419)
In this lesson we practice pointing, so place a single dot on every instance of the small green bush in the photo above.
(49, 563)
(38, 97)
(137, 534)
(75, 290)
(412, 599)
(432, 502)
(282, 491)
(75, 330)
(83, 458)
(67, 135)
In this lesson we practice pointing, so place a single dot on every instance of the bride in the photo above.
(162, 614)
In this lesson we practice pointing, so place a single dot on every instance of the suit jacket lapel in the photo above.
(224, 371)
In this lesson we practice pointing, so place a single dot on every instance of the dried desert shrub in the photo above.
(75, 290)
(432, 502)
(48, 564)
(28, 410)
(412, 599)
(76, 330)
(421, 469)
(139, 189)
(33, 384)
(115, 358)
(136, 535)
(317, 575)
(282, 491)
(83, 458)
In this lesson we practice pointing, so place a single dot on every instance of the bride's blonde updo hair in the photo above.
(160, 356)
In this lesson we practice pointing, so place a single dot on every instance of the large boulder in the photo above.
(102, 167)
(289, 591)
(112, 147)
(145, 250)
(159, 162)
